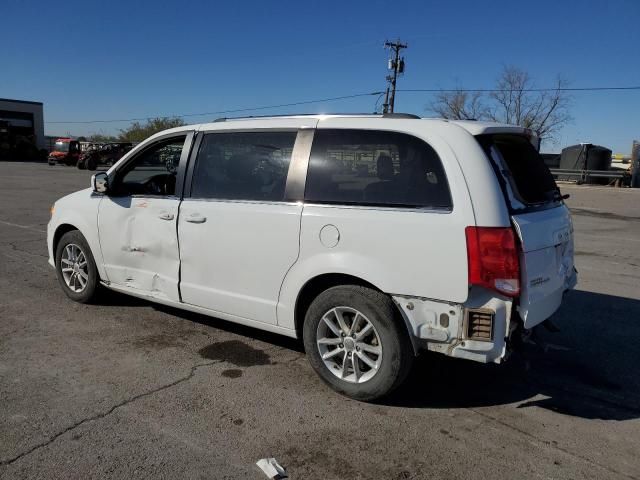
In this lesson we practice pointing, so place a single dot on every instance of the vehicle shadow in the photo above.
(111, 298)
(587, 370)
(235, 328)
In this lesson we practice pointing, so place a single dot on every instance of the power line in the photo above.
(222, 112)
(356, 95)
(489, 90)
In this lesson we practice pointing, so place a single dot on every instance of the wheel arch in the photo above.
(318, 284)
(60, 231)
(68, 225)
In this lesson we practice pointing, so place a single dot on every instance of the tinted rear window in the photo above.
(521, 169)
(366, 167)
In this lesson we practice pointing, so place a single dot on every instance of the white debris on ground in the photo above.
(271, 468)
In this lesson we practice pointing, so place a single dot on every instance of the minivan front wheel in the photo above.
(355, 342)
(75, 267)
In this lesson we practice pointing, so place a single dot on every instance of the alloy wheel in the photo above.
(74, 268)
(349, 344)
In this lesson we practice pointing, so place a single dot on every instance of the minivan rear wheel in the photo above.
(355, 342)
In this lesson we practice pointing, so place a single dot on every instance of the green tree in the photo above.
(101, 138)
(137, 131)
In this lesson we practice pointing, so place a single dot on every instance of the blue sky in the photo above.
(110, 60)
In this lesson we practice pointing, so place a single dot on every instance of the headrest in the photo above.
(385, 167)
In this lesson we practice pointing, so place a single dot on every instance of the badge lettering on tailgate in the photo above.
(538, 281)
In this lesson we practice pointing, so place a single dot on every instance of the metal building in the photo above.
(22, 118)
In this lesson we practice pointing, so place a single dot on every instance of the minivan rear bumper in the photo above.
(448, 328)
(481, 329)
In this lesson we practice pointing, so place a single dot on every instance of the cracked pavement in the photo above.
(126, 389)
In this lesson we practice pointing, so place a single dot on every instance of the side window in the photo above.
(243, 165)
(365, 167)
(152, 171)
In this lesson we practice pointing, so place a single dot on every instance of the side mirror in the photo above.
(100, 182)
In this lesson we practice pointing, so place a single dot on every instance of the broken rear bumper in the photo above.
(485, 328)
(477, 330)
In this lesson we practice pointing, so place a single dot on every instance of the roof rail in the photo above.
(400, 115)
(245, 117)
(359, 114)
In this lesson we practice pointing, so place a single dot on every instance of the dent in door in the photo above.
(142, 241)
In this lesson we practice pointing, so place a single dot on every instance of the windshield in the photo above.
(62, 147)
(523, 174)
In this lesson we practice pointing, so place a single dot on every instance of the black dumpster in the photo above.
(551, 160)
(585, 156)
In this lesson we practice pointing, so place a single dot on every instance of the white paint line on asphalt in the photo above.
(26, 227)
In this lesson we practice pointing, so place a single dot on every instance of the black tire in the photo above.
(52, 163)
(91, 164)
(81, 164)
(88, 293)
(397, 351)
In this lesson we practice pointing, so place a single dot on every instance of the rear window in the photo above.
(524, 176)
(367, 167)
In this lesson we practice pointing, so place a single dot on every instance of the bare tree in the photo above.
(514, 100)
(459, 105)
(517, 102)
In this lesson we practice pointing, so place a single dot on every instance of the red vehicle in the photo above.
(65, 151)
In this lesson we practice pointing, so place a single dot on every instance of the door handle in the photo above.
(165, 216)
(196, 218)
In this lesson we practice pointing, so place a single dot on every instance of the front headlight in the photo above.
(52, 209)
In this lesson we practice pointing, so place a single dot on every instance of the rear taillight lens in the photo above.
(494, 259)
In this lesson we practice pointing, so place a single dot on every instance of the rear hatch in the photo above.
(541, 220)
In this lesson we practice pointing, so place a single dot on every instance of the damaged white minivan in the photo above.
(370, 237)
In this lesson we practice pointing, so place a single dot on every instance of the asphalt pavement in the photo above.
(127, 389)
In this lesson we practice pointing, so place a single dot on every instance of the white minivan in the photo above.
(370, 237)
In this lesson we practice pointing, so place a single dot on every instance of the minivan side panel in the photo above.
(489, 206)
(365, 249)
(403, 251)
(234, 261)
(138, 235)
(80, 210)
(237, 243)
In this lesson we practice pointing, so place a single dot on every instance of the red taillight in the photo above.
(493, 259)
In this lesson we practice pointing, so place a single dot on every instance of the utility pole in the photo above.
(396, 65)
